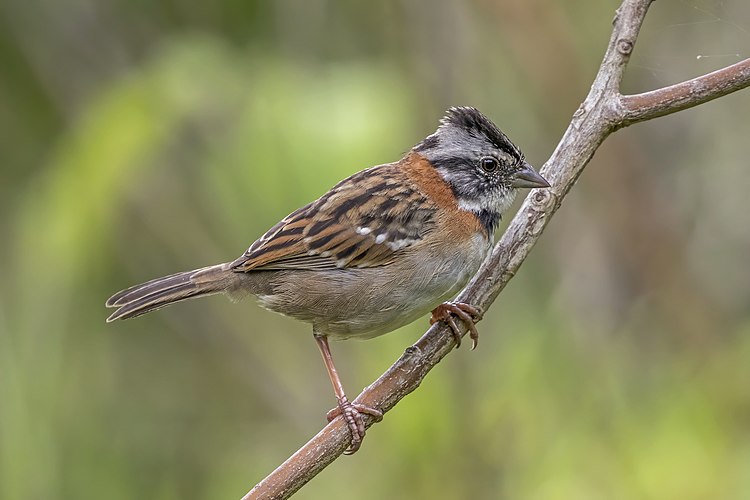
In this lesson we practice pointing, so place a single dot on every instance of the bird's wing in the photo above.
(364, 221)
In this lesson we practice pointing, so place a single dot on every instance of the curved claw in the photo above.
(352, 413)
(468, 313)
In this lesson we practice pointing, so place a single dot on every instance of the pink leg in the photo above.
(352, 412)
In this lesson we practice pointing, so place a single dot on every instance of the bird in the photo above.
(379, 250)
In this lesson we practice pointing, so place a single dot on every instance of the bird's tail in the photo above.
(161, 292)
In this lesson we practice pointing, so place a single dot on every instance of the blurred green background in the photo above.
(140, 138)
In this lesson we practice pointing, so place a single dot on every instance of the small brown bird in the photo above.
(380, 249)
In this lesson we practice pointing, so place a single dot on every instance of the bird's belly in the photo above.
(368, 302)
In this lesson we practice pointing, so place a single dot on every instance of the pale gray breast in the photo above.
(367, 302)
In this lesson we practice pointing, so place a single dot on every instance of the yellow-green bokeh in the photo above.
(143, 138)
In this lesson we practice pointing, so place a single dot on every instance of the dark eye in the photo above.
(488, 164)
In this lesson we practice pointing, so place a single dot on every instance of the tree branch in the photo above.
(603, 111)
(667, 100)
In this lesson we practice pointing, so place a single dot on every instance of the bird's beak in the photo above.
(527, 177)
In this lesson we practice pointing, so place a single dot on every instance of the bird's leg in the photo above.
(470, 314)
(352, 412)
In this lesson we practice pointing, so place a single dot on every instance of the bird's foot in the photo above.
(470, 314)
(353, 416)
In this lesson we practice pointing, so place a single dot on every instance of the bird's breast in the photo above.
(367, 302)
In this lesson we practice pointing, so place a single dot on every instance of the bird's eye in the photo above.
(488, 164)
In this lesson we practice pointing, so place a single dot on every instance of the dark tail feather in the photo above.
(161, 292)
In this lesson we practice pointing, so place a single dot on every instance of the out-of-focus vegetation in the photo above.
(143, 138)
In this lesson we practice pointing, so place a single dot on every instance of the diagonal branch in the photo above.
(603, 111)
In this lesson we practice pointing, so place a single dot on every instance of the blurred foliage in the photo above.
(144, 138)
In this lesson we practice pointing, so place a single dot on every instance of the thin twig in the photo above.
(603, 111)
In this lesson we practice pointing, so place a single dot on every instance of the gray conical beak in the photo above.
(527, 177)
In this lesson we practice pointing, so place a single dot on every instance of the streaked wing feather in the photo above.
(364, 221)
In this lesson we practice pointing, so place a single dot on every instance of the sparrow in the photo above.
(377, 251)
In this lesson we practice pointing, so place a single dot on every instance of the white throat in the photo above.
(498, 201)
